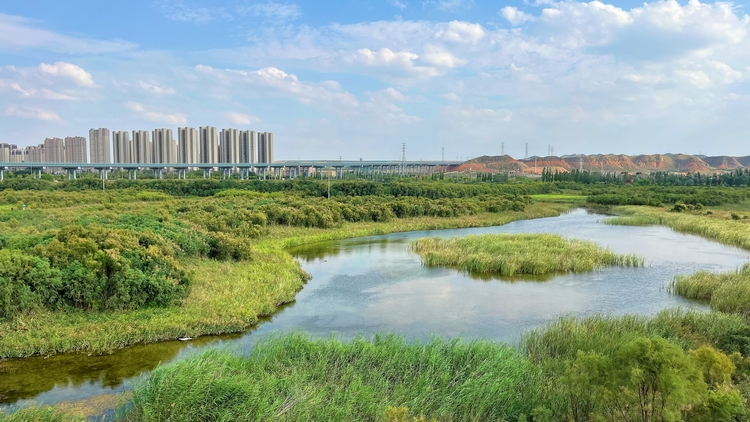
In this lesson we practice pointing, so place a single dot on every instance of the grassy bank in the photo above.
(511, 254)
(297, 379)
(719, 225)
(225, 296)
(572, 369)
(726, 292)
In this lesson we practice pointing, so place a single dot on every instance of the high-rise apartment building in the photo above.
(141, 147)
(122, 148)
(188, 147)
(209, 145)
(7, 151)
(229, 146)
(248, 144)
(100, 146)
(75, 149)
(17, 155)
(164, 149)
(34, 154)
(265, 147)
(54, 149)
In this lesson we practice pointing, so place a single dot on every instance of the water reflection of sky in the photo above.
(373, 284)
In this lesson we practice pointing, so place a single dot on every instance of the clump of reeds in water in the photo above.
(513, 254)
(727, 292)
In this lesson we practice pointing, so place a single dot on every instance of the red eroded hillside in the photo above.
(645, 163)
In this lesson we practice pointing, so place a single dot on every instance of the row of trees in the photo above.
(305, 187)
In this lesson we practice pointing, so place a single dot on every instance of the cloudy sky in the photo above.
(356, 78)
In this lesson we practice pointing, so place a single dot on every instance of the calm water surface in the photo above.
(373, 284)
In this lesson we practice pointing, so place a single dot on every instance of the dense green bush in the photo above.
(91, 268)
(27, 283)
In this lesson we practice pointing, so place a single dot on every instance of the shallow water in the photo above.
(366, 285)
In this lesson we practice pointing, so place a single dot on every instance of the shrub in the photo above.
(27, 283)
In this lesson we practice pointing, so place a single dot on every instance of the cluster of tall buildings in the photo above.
(54, 150)
(205, 145)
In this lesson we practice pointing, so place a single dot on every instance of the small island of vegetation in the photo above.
(515, 254)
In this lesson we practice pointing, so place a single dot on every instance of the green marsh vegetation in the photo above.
(513, 254)
(676, 366)
(294, 378)
(726, 292)
(91, 271)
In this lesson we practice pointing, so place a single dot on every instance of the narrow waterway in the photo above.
(373, 284)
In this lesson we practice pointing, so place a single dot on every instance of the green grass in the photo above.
(37, 414)
(727, 292)
(225, 297)
(512, 254)
(559, 198)
(293, 378)
(718, 225)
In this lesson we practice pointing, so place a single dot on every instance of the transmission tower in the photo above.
(580, 165)
(527, 151)
(443, 153)
(502, 148)
(403, 151)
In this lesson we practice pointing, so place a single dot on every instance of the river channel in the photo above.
(374, 284)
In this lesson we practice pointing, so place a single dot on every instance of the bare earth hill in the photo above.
(606, 163)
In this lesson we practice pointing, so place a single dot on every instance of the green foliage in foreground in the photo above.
(36, 414)
(294, 378)
(727, 292)
(677, 366)
(510, 254)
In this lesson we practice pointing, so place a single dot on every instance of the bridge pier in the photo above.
(2, 175)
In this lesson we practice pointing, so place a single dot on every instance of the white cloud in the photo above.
(146, 113)
(487, 114)
(280, 11)
(17, 33)
(399, 4)
(241, 119)
(156, 88)
(462, 32)
(448, 5)
(43, 93)
(275, 81)
(68, 70)
(30, 113)
(451, 96)
(382, 106)
(514, 16)
(438, 57)
(178, 10)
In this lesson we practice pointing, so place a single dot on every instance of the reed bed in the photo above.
(727, 292)
(294, 378)
(718, 226)
(561, 339)
(514, 254)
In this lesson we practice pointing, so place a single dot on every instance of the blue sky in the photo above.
(357, 78)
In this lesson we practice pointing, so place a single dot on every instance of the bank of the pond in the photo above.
(514, 254)
(225, 297)
(572, 369)
(729, 228)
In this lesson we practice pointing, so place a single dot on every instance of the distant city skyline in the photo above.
(157, 147)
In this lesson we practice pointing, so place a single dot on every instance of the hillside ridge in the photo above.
(644, 163)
